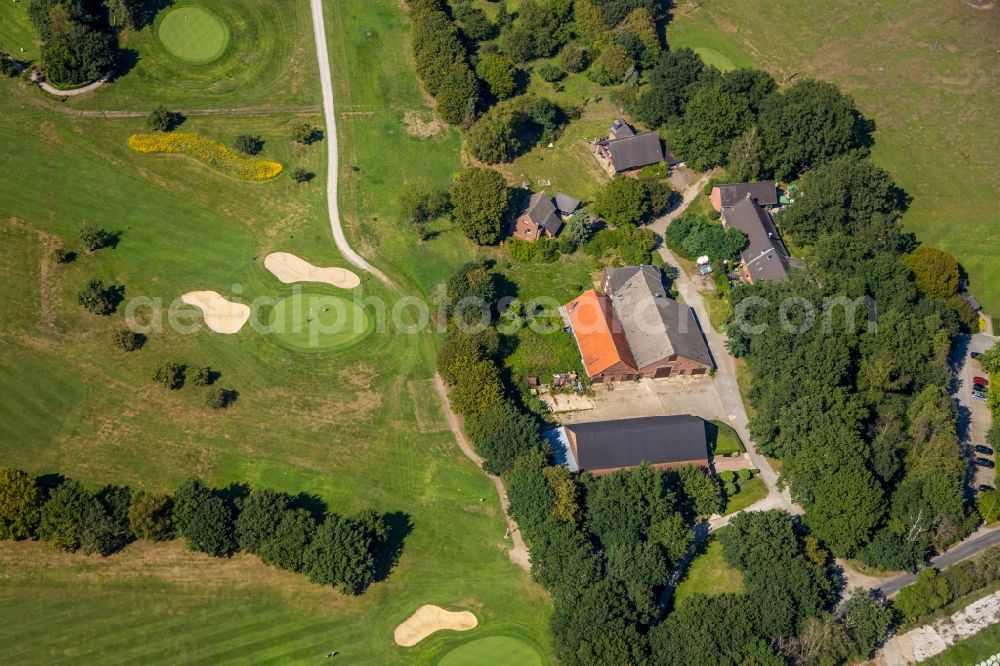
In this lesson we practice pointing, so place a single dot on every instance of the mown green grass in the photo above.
(494, 650)
(375, 87)
(544, 348)
(983, 645)
(725, 440)
(318, 321)
(193, 34)
(270, 61)
(353, 427)
(750, 493)
(923, 71)
(16, 32)
(708, 574)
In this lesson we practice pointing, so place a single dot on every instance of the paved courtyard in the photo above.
(652, 397)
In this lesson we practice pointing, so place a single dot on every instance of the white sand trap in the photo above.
(290, 268)
(429, 619)
(221, 316)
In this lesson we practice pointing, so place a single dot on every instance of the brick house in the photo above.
(539, 219)
(627, 151)
(642, 332)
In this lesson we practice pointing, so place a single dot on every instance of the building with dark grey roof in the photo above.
(765, 256)
(626, 150)
(565, 204)
(662, 441)
(540, 218)
(663, 335)
(727, 196)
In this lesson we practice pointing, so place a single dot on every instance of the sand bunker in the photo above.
(221, 316)
(289, 268)
(429, 619)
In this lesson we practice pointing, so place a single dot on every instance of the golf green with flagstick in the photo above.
(194, 34)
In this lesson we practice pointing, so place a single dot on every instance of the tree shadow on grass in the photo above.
(316, 507)
(388, 551)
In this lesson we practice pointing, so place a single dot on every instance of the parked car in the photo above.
(979, 395)
(974, 354)
(982, 448)
(984, 462)
(981, 388)
(980, 380)
(984, 488)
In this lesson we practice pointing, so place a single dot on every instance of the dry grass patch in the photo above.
(423, 124)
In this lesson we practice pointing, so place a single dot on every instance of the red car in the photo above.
(981, 380)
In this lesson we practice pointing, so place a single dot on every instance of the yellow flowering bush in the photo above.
(208, 151)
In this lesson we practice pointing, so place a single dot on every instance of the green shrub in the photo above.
(128, 340)
(543, 250)
(200, 375)
(250, 145)
(745, 474)
(95, 238)
(63, 256)
(161, 119)
(171, 375)
(221, 398)
(99, 298)
(551, 73)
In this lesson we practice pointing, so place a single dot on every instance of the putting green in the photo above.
(493, 650)
(314, 321)
(194, 35)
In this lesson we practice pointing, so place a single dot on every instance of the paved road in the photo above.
(326, 81)
(980, 540)
(725, 376)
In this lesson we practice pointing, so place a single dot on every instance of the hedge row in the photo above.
(442, 61)
(292, 533)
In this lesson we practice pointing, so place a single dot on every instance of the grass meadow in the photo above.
(354, 427)
(708, 574)
(924, 71)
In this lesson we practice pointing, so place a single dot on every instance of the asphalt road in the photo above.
(979, 541)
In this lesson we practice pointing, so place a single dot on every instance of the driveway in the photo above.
(726, 386)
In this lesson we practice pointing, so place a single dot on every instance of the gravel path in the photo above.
(326, 81)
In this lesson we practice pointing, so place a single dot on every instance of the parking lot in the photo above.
(974, 415)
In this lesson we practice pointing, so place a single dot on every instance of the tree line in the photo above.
(740, 119)
(607, 547)
(294, 533)
(861, 415)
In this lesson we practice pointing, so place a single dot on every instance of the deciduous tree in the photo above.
(480, 198)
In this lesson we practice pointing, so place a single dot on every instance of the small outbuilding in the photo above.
(565, 204)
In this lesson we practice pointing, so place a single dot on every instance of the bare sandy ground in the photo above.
(221, 316)
(429, 619)
(931, 639)
(289, 268)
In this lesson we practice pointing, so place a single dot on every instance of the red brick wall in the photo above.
(525, 229)
(661, 466)
(678, 364)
